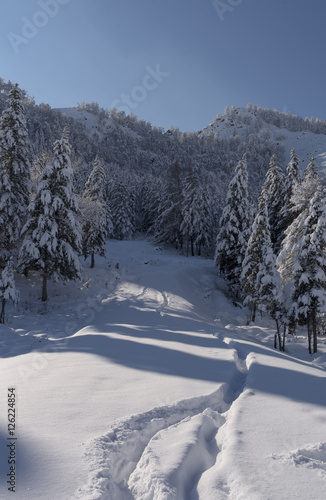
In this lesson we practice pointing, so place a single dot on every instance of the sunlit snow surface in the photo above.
(144, 382)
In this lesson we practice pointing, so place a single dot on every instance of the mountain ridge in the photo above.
(307, 136)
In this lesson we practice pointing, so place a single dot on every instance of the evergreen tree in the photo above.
(94, 214)
(38, 165)
(302, 194)
(169, 219)
(109, 223)
(196, 225)
(253, 261)
(52, 233)
(293, 172)
(14, 173)
(291, 180)
(149, 202)
(309, 294)
(311, 170)
(122, 211)
(190, 210)
(268, 283)
(203, 223)
(7, 288)
(96, 182)
(274, 192)
(94, 228)
(234, 231)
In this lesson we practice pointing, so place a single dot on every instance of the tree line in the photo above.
(275, 260)
(45, 230)
(46, 225)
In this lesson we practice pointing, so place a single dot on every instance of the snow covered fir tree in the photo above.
(253, 258)
(14, 173)
(52, 234)
(234, 231)
(118, 176)
(309, 288)
(8, 291)
(95, 218)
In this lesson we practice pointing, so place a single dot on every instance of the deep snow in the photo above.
(144, 382)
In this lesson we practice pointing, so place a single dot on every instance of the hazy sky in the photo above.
(170, 62)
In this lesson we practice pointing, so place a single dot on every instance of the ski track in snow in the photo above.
(130, 461)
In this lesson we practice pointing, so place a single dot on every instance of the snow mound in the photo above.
(175, 457)
(320, 361)
(16, 342)
(114, 456)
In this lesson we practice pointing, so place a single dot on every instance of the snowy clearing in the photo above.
(143, 381)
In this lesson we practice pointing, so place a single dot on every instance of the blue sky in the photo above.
(170, 62)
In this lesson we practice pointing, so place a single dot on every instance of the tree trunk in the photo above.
(2, 315)
(314, 330)
(44, 289)
(309, 333)
(92, 260)
(283, 342)
(278, 336)
(253, 317)
(292, 327)
(192, 246)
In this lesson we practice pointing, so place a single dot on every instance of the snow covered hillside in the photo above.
(237, 125)
(102, 124)
(143, 382)
(282, 129)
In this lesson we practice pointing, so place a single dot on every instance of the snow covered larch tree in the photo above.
(309, 293)
(52, 233)
(234, 230)
(14, 173)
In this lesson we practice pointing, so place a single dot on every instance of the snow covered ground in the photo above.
(144, 382)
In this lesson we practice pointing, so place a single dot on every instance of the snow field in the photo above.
(144, 382)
